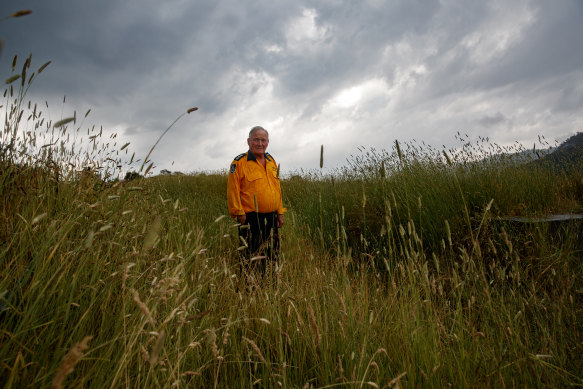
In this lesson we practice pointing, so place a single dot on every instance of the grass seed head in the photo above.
(61, 123)
(315, 326)
(13, 78)
(155, 354)
(21, 13)
(256, 349)
(143, 308)
(211, 339)
(71, 359)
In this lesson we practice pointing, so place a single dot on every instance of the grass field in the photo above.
(395, 271)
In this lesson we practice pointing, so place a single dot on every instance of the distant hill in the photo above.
(567, 155)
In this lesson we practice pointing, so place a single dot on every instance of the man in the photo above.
(254, 199)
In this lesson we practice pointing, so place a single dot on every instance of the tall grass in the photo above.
(429, 187)
(394, 272)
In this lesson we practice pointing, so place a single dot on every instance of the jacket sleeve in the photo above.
(280, 209)
(234, 190)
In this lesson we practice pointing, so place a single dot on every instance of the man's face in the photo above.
(258, 142)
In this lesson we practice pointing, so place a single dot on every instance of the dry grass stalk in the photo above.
(396, 381)
(342, 378)
(226, 333)
(342, 302)
(315, 326)
(344, 310)
(155, 354)
(71, 359)
(284, 368)
(372, 363)
(211, 338)
(152, 234)
(126, 274)
(256, 349)
(144, 353)
(144, 308)
(300, 321)
(342, 329)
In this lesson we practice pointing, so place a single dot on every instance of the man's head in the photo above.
(258, 141)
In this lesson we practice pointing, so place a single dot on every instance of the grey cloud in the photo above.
(492, 120)
(139, 64)
(546, 50)
(570, 97)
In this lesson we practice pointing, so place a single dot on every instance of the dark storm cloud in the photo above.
(352, 44)
(548, 52)
(341, 72)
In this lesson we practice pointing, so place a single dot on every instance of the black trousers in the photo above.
(262, 238)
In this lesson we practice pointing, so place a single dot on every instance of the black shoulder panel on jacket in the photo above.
(238, 157)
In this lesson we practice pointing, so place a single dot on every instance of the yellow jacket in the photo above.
(249, 182)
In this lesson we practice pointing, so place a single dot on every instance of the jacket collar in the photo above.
(251, 157)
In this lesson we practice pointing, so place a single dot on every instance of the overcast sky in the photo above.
(340, 73)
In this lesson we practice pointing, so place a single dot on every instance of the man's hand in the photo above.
(279, 221)
(241, 219)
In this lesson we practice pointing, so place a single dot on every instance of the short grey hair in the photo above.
(257, 128)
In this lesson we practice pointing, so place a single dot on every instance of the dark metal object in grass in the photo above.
(544, 219)
(562, 226)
